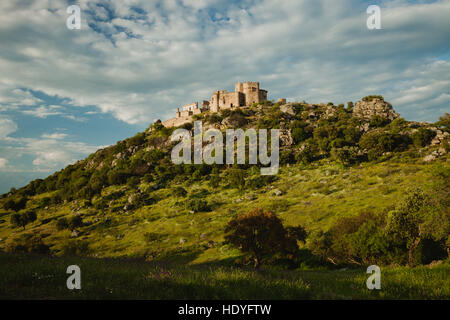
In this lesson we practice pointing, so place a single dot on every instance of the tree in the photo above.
(260, 233)
(21, 220)
(444, 122)
(406, 222)
(15, 205)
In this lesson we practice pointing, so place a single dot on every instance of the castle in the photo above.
(245, 94)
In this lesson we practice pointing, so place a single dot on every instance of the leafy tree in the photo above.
(21, 220)
(261, 233)
(15, 205)
(406, 223)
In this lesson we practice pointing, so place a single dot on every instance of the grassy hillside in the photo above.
(133, 202)
(313, 197)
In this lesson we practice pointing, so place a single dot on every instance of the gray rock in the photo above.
(288, 108)
(75, 234)
(277, 192)
(376, 107)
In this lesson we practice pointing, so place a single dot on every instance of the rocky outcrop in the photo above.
(288, 108)
(368, 108)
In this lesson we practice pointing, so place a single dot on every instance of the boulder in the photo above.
(365, 110)
(288, 108)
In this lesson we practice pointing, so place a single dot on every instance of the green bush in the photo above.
(75, 248)
(422, 137)
(22, 219)
(75, 222)
(198, 205)
(237, 178)
(179, 192)
(28, 243)
(62, 224)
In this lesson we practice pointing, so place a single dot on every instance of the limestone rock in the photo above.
(365, 110)
(277, 192)
(286, 138)
(288, 108)
(75, 234)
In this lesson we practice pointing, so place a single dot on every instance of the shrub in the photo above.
(28, 243)
(133, 182)
(179, 192)
(422, 137)
(259, 181)
(75, 248)
(116, 177)
(62, 224)
(198, 205)
(371, 97)
(346, 156)
(137, 140)
(381, 142)
(299, 135)
(237, 178)
(75, 222)
(214, 180)
(378, 121)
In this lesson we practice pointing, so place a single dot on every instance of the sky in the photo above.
(65, 93)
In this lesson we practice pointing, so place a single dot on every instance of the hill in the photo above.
(130, 200)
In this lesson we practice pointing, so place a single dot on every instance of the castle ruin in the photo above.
(245, 94)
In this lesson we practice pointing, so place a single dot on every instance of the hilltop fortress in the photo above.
(245, 94)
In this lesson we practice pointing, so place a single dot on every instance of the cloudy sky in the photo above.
(64, 93)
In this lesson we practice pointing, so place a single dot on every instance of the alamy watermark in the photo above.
(213, 151)
(374, 20)
(74, 20)
(74, 280)
(374, 280)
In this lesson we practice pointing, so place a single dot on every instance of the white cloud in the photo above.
(56, 135)
(44, 111)
(7, 126)
(3, 163)
(317, 50)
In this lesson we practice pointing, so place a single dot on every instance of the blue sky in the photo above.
(65, 93)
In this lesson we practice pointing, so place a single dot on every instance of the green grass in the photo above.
(313, 197)
(44, 277)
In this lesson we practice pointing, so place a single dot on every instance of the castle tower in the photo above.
(251, 92)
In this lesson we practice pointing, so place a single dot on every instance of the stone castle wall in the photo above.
(245, 94)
